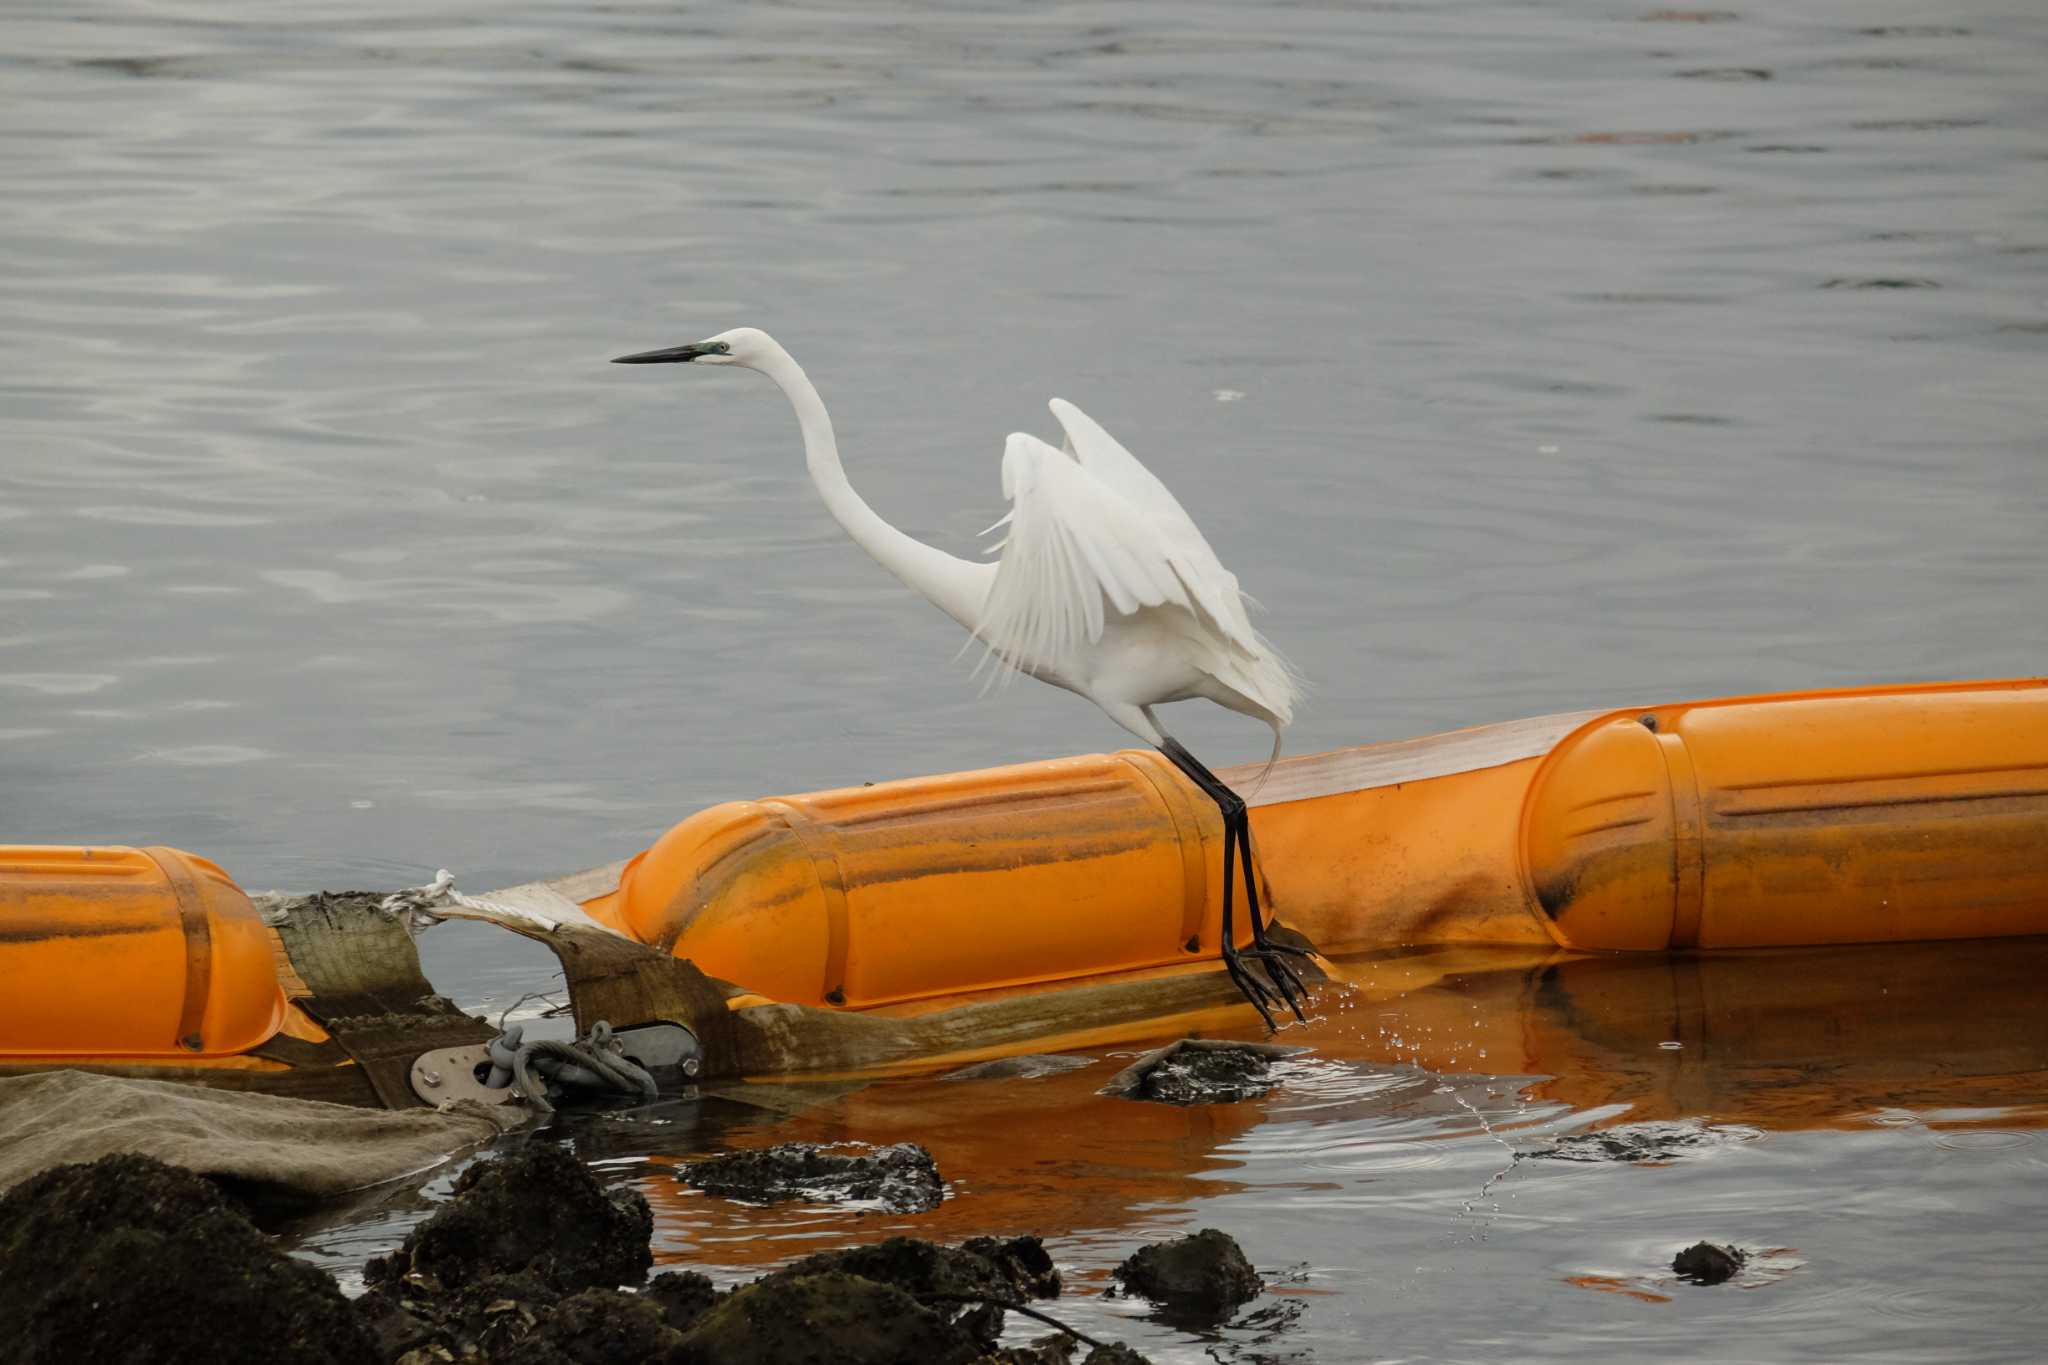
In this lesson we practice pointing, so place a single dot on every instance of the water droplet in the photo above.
(1671, 1046)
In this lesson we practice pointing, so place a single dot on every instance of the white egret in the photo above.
(1103, 586)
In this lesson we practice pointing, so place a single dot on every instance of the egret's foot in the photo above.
(1262, 997)
(1285, 979)
(1282, 974)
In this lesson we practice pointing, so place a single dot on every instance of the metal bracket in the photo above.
(670, 1052)
(449, 1074)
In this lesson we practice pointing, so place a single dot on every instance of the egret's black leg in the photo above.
(1246, 982)
(1286, 986)
(1285, 978)
(1211, 783)
(1259, 995)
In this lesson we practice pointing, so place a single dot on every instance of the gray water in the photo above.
(1519, 358)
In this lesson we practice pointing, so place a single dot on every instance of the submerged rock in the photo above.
(1201, 1071)
(536, 1212)
(1708, 1263)
(127, 1259)
(1024, 1068)
(1209, 1078)
(902, 1178)
(1657, 1140)
(1202, 1276)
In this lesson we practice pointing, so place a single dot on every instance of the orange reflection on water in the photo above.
(1778, 1038)
(1404, 1048)
(1609, 1284)
(1044, 1155)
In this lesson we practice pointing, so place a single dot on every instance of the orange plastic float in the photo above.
(150, 962)
(1869, 815)
(1075, 902)
(1001, 879)
(130, 952)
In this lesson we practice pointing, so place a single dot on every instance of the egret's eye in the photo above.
(722, 347)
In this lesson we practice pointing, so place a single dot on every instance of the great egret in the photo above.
(1104, 586)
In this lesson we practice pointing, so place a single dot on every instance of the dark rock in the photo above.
(486, 1316)
(682, 1295)
(832, 1317)
(1114, 1353)
(1708, 1263)
(983, 1322)
(1054, 1349)
(1059, 1349)
(522, 1320)
(127, 1259)
(393, 1327)
(537, 1211)
(1201, 1071)
(129, 1262)
(1209, 1078)
(1016, 1270)
(1024, 1259)
(598, 1327)
(902, 1178)
(965, 1285)
(1654, 1141)
(1205, 1276)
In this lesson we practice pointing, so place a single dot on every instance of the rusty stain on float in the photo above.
(130, 952)
(1073, 903)
(998, 879)
(1867, 815)
(1876, 815)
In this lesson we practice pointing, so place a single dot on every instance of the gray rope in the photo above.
(594, 1061)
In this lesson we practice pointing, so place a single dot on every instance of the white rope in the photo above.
(417, 904)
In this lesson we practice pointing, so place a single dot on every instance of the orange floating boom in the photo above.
(1073, 902)
(1878, 814)
(143, 953)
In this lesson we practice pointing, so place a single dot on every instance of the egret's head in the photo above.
(747, 346)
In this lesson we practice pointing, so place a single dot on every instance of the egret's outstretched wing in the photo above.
(1076, 548)
(1211, 586)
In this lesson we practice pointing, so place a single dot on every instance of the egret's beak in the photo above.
(669, 356)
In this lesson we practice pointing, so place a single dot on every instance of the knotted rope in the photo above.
(596, 1061)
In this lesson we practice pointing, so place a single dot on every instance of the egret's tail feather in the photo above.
(1271, 759)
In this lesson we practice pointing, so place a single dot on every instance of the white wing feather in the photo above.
(1081, 545)
(1213, 588)
(1075, 548)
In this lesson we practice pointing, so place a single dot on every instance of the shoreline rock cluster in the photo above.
(126, 1258)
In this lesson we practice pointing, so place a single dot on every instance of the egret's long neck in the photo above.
(956, 586)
